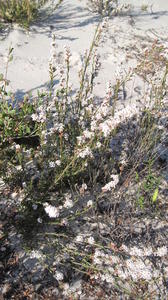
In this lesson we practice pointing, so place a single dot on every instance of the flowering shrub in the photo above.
(70, 129)
(62, 138)
(57, 146)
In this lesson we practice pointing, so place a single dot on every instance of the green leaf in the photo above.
(11, 50)
(10, 58)
(1, 77)
(141, 202)
(28, 130)
(137, 176)
(155, 195)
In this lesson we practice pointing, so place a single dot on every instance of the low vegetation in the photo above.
(107, 8)
(60, 160)
(20, 11)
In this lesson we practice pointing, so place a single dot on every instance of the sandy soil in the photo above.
(74, 26)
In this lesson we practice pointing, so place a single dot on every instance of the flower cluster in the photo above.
(81, 239)
(68, 201)
(134, 267)
(55, 211)
(59, 275)
(145, 251)
(51, 211)
(112, 184)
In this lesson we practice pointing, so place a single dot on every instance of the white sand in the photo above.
(74, 26)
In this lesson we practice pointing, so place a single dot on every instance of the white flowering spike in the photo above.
(90, 203)
(59, 276)
(58, 163)
(51, 211)
(98, 145)
(162, 251)
(17, 147)
(91, 240)
(98, 257)
(109, 91)
(53, 51)
(52, 164)
(85, 153)
(39, 220)
(68, 203)
(79, 239)
(36, 254)
(112, 184)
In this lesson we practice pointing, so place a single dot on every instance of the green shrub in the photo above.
(20, 11)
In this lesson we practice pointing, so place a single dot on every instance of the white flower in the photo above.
(162, 251)
(41, 117)
(60, 128)
(108, 278)
(111, 184)
(115, 179)
(114, 259)
(34, 117)
(79, 140)
(91, 240)
(14, 195)
(17, 147)
(85, 153)
(124, 248)
(98, 257)
(58, 162)
(66, 136)
(146, 274)
(135, 251)
(51, 211)
(138, 270)
(39, 220)
(104, 127)
(52, 164)
(97, 261)
(98, 253)
(98, 145)
(87, 134)
(84, 186)
(36, 254)
(93, 125)
(108, 187)
(148, 251)
(123, 274)
(68, 203)
(24, 185)
(59, 276)
(52, 52)
(79, 239)
(89, 203)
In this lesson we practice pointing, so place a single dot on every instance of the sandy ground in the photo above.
(74, 26)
